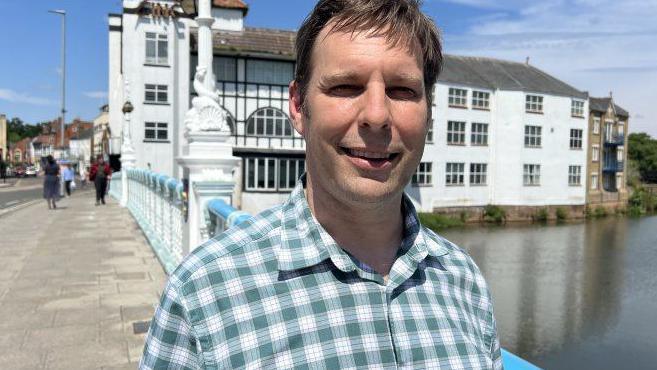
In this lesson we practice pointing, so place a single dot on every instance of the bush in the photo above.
(438, 222)
(562, 214)
(494, 214)
(541, 215)
(643, 200)
(634, 211)
(599, 212)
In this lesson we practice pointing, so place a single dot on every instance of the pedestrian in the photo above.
(100, 173)
(3, 169)
(69, 177)
(83, 176)
(342, 275)
(51, 182)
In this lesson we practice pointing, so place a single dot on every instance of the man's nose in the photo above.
(375, 112)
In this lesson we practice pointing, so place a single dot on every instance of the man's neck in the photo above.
(370, 232)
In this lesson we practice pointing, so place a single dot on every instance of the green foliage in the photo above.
(437, 222)
(562, 214)
(635, 211)
(494, 214)
(541, 215)
(18, 130)
(599, 212)
(643, 149)
(642, 201)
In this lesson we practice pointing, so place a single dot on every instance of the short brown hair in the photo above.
(400, 21)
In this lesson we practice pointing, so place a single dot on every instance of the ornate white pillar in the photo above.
(207, 156)
(128, 158)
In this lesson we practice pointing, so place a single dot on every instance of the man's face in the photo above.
(364, 117)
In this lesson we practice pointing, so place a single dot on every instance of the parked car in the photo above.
(19, 172)
(31, 171)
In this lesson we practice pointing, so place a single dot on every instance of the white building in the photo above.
(503, 133)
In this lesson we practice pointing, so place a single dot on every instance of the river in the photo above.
(572, 296)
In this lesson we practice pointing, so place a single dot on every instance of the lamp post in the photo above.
(63, 14)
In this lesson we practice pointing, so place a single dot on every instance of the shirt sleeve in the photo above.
(495, 351)
(171, 343)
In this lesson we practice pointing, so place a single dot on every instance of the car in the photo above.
(19, 172)
(31, 171)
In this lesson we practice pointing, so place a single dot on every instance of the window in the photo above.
(596, 125)
(455, 133)
(423, 174)
(575, 139)
(289, 171)
(531, 174)
(621, 128)
(458, 98)
(479, 134)
(619, 181)
(620, 154)
(478, 172)
(480, 100)
(533, 136)
(156, 131)
(534, 104)
(577, 108)
(156, 48)
(454, 173)
(156, 93)
(609, 130)
(430, 132)
(574, 175)
(595, 153)
(269, 72)
(269, 122)
(272, 174)
(594, 181)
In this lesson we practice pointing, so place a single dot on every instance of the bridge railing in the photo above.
(156, 203)
(222, 216)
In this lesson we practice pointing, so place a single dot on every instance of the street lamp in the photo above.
(63, 14)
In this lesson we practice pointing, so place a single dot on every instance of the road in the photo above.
(23, 191)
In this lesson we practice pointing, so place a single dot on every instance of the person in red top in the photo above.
(100, 173)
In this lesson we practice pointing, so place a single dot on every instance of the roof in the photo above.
(472, 71)
(230, 4)
(601, 105)
(503, 75)
(253, 41)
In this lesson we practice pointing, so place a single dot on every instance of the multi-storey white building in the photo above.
(502, 133)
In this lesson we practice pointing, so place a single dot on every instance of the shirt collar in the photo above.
(305, 243)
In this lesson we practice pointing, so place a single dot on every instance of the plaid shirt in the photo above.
(278, 292)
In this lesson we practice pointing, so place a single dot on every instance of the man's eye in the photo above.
(345, 90)
(403, 93)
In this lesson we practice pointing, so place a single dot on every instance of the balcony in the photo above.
(614, 140)
(615, 166)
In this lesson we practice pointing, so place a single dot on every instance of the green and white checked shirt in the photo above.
(278, 292)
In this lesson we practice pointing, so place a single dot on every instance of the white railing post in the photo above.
(128, 158)
(207, 158)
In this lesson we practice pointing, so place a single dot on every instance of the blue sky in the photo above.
(595, 45)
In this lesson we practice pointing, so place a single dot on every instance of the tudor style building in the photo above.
(607, 154)
(502, 133)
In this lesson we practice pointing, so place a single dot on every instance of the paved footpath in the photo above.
(72, 283)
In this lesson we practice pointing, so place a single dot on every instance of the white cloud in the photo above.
(16, 97)
(596, 46)
(95, 94)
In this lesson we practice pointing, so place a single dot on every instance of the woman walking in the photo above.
(51, 182)
(99, 174)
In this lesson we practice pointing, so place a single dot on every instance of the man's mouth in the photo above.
(374, 159)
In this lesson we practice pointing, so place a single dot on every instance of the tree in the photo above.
(643, 150)
(18, 130)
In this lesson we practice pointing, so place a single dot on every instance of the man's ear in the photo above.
(295, 107)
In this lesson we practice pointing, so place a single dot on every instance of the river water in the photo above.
(573, 296)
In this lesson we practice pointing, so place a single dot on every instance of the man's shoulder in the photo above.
(242, 246)
(455, 258)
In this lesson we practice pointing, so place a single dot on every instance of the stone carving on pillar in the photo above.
(127, 149)
(206, 113)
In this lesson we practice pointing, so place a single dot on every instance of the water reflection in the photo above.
(559, 288)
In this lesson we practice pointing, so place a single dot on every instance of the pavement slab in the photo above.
(72, 284)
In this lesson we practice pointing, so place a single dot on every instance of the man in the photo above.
(342, 275)
(69, 176)
(100, 174)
